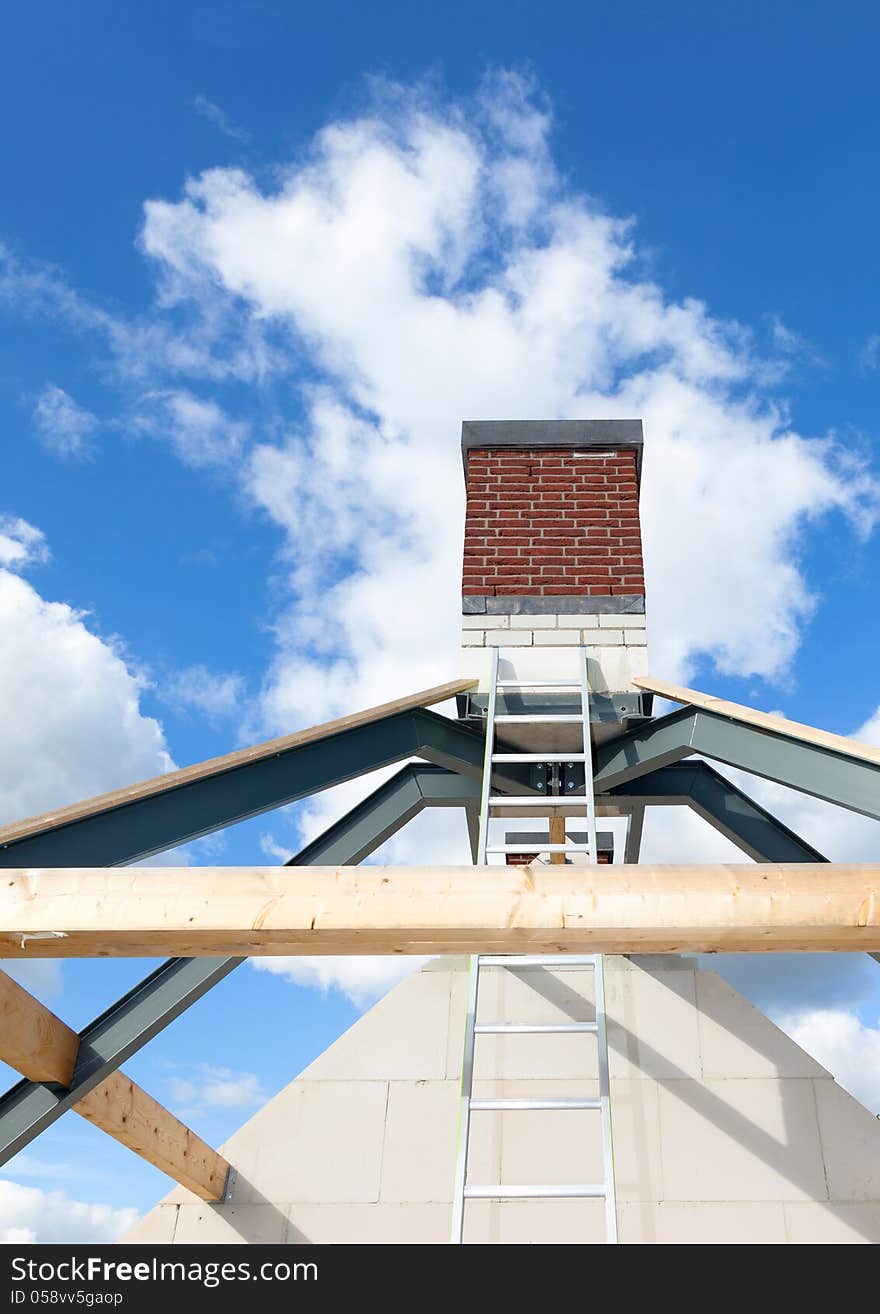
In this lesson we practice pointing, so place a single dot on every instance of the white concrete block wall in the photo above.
(548, 647)
(725, 1130)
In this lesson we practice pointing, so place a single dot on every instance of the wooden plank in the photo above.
(214, 766)
(245, 911)
(40, 1046)
(131, 1116)
(32, 1039)
(779, 725)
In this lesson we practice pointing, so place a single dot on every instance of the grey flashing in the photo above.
(573, 604)
(598, 434)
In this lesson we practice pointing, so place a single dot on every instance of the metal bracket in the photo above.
(229, 1185)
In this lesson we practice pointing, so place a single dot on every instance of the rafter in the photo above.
(157, 814)
(40, 1046)
(778, 725)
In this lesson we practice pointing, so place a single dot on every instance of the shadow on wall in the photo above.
(785, 1157)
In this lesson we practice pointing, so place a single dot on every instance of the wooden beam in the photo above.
(192, 911)
(32, 1039)
(131, 1116)
(90, 807)
(40, 1046)
(557, 836)
(779, 725)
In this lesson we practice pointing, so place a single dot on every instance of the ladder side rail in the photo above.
(467, 1067)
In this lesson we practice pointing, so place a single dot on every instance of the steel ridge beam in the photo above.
(138, 829)
(29, 1107)
(724, 806)
(809, 768)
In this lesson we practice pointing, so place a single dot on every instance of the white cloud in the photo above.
(72, 700)
(28, 1215)
(196, 689)
(220, 119)
(200, 432)
(63, 426)
(869, 356)
(209, 1087)
(431, 262)
(21, 544)
(364, 978)
(27, 1165)
(842, 1044)
(41, 976)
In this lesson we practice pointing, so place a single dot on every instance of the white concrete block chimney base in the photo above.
(724, 1129)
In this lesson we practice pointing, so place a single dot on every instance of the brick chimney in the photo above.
(552, 549)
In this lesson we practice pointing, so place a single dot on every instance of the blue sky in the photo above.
(258, 262)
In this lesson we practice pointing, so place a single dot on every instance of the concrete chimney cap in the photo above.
(603, 434)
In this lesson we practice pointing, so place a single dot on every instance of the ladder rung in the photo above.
(538, 847)
(538, 684)
(499, 1105)
(533, 1028)
(539, 757)
(536, 800)
(566, 718)
(534, 1192)
(538, 960)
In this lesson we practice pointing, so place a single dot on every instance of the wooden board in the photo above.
(43, 1048)
(131, 1116)
(17, 830)
(32, 1039)
(779, 725)
(194, 911)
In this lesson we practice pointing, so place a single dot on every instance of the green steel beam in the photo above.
(724, 805)
(810, 768)
(138, 829)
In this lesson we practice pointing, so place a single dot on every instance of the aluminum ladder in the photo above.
(463, 1189)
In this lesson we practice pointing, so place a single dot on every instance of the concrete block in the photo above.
(418, 1160)
(832, 1224)
(155, 1228)
(219, 1224)
(369, 1224)
(509, 638)
(458, 989)
(851, 1143)
(533, 622)
(635, 638)
(558, 638)
(473, 638)
(536, 994)
(534, 1222)
(652, 1025)
(561, 1146)
(622, 621)
(374, 1049)
(603, 638)
(740, 1140)
(572, 621)
(738, 1041)
(668, 1222)
(332, 1149)
(477, 623)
